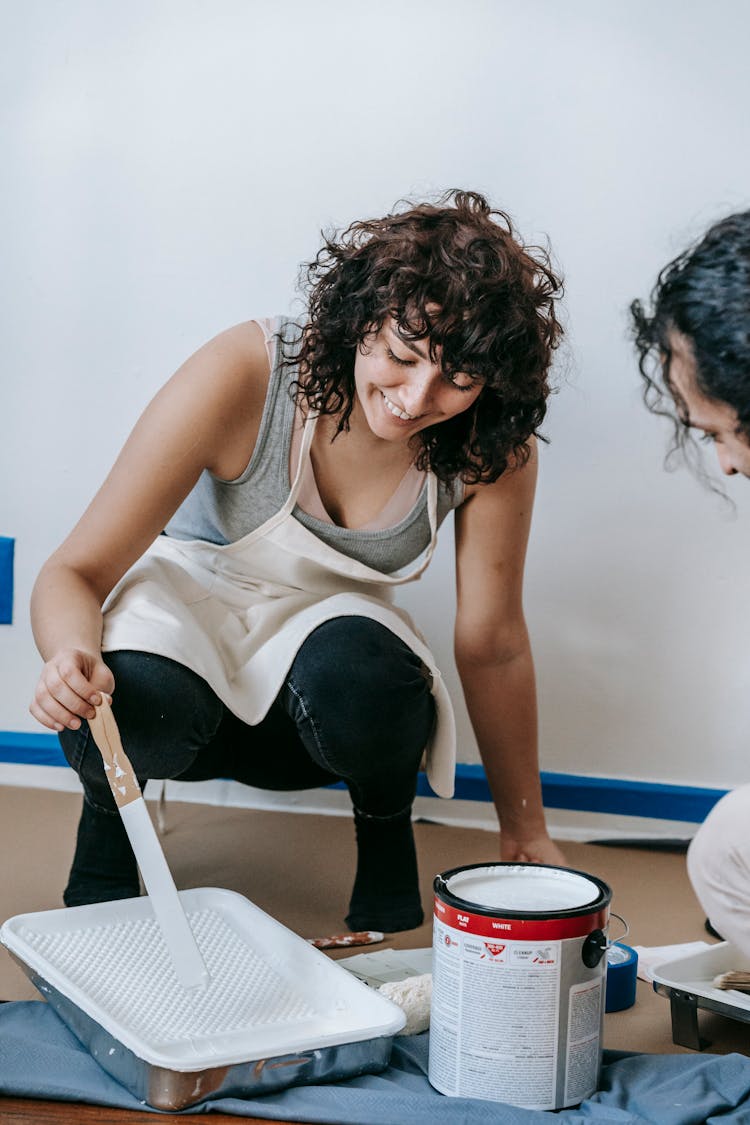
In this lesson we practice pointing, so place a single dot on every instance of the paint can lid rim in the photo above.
(447, 889)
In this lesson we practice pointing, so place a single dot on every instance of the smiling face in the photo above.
(717, 420)
(400, 389)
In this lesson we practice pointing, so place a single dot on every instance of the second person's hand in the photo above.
(537, 849)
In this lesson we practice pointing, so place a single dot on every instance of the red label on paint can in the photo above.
(521, 929)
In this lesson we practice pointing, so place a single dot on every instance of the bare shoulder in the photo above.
(242, 346)
(517, 484)
(225, 382)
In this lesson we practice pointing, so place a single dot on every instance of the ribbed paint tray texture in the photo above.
(276, 1013)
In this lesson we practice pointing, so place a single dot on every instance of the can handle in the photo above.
(626, 931)
(594, 948)
(596, 944)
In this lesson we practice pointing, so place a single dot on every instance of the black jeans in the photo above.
(355, 706)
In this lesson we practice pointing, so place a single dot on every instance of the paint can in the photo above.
(518, 983)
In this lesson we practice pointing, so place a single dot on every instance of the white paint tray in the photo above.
(688, 983)
(277, 1012)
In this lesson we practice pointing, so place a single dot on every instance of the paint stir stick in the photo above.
(178, 936)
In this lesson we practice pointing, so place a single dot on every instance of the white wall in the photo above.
(169, 162)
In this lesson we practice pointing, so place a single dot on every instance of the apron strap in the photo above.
(308, 433)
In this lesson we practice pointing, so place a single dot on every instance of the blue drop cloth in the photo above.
(41, 1058)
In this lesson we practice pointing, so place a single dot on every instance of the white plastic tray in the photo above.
(695, 974)
(271, 993)
(688, 983)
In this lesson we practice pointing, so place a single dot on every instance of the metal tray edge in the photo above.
(167, 1089)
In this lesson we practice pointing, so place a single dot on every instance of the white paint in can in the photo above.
(518, 984)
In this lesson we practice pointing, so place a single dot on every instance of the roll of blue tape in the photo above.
(622, 969)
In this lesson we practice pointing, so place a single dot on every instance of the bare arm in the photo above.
(205, 417)
(494, 660)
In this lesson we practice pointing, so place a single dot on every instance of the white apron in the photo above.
(237, 614)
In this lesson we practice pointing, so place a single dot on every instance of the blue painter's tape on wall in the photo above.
(20, 748)
(561, 791)
(6, 580)
(596, 794)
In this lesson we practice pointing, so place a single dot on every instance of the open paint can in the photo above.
(519, 973)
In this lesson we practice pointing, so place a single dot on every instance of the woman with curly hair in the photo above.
(694, 347)
(231, 584)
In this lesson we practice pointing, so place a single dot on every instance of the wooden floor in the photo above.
(22, 1111)
(299, 868)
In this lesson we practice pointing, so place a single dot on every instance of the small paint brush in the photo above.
(737, 979)
(343, 941)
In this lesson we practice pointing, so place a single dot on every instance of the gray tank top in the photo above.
(223, 511)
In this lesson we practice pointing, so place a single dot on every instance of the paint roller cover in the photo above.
(6, 580)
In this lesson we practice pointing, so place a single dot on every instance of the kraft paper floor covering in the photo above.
(299, 868)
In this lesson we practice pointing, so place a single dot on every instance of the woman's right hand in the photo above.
(70, 687)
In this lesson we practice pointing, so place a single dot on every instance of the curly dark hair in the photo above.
(456, 273)
(704, 294)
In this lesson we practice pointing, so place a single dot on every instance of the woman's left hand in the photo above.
(537, 849)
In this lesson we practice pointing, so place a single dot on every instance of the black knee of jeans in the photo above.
(165, 714)
(363, 708)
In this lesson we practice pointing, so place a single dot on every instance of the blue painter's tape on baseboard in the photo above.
(6, 580)
(30, 749)
(613, 795)
(631, 798)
